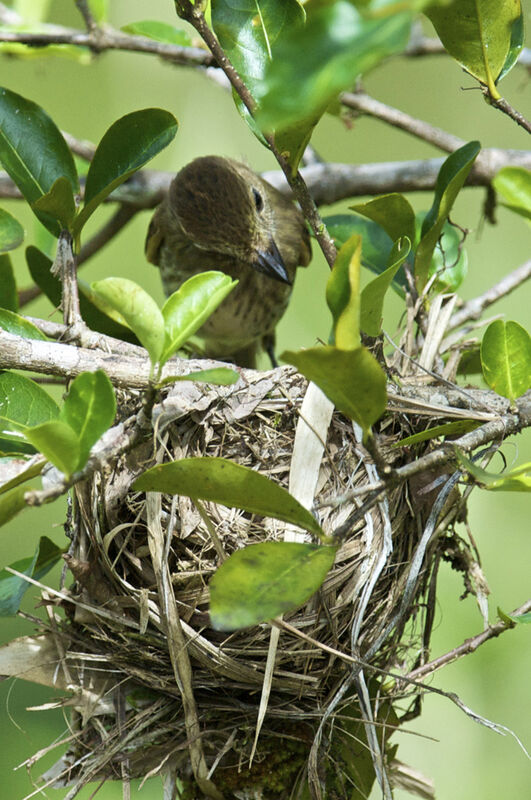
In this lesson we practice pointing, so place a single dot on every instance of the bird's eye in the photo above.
(258, 200)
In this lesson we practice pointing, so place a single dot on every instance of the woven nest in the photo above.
(131, 719)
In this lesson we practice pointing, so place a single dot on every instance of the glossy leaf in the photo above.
(251, 33)
(12, 503)
(392, 212)
(312, 65)
(450, 180)
(59, 203)
(506, 358)
(456, 428)
(514, 185)
(8, 285)
(40, 265)
(33, 151)
(343, 294)
(129, 143)
(376, 244)
(138, 309)
(190, 306)
(372, 296)
(14, 471)
(11, 232)
(219, 376)
(89, 408)
(13, 588)
(484, 36)
(23, 403)
(352, 379)
(514, 480)
(263, 581)
(58, 443)
(223, 481)
(19, 326)
(159, 31)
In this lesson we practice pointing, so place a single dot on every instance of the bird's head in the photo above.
(222, 206)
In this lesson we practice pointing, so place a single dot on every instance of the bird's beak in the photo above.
(270, 263)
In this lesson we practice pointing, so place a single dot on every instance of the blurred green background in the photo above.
(466, 760)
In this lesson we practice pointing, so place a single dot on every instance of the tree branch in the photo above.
(468, 646)
(475, 307)
(100, 39)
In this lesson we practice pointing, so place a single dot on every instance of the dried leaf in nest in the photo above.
(185, 696)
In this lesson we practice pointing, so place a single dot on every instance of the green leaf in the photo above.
(524, 619)
(343, 294)
(352, 379)
(251, 34)
(230, 484)
(458, 427)
(19, 326)
(39, 266)
(59, 203)
(58, 443)
(89, 408)
(377, 246)
(159, 31)
(506, 358)
(393, 212)
(263, 581)
(33, 151)
(313, 64)
(11, 503)
(129, 143)
(190, 306)
(372, 296)
(13, 588)
(99, 9)
(138, 309)
(23, 403)
(14, 471)
(11, 232)
(450, 180)
(219, 376)
(8, 285)
(484, 36)
(514, 480)
(514, 185)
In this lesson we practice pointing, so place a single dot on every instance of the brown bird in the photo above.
(220, 215)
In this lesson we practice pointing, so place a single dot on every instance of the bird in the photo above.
(220, 215)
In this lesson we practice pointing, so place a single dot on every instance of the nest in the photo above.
(122, 645)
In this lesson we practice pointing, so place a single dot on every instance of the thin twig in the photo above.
(359, 101)
(99, 40)
(474, 308)
(469, 645)
(506, 108)
(86, 13)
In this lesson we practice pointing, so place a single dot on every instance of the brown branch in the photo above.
(359, 101)
(468, 646)
(474, 308)
(506, 108)
(98, 40)
(86, 13)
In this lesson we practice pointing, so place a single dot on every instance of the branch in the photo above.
(359, 101)
(474, 308)
(468, 646)
(100, 39)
